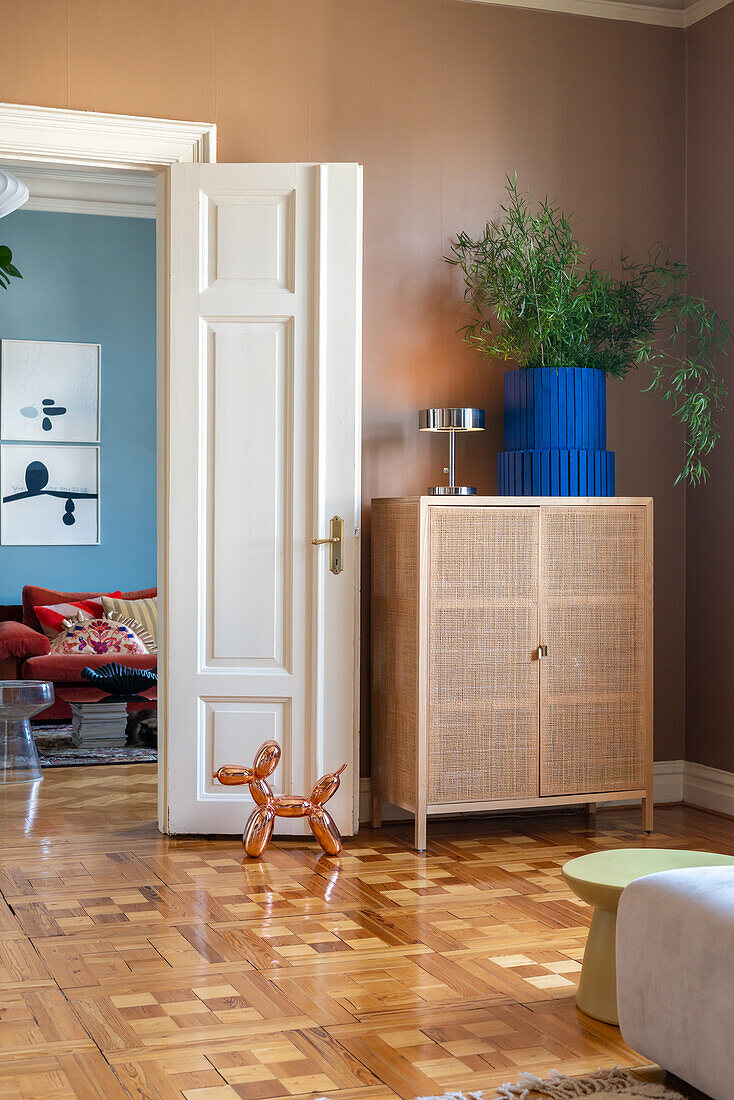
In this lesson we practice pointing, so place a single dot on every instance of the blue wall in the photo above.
(90, 278)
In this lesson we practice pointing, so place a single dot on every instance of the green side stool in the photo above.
(599, 879)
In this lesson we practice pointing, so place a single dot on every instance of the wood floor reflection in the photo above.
(138, 965)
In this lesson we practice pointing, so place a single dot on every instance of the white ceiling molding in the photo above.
(117, 141)
(699, 9)
(663, 13)
(82, 206)
(82, 190)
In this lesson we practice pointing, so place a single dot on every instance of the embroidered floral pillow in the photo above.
(99, 636)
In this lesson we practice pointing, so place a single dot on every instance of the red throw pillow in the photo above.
(35, 596)
(51, 617)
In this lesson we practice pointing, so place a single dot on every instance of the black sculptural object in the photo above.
(121, 682)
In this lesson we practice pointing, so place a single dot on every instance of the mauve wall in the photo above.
(438, 99)
(710, 517)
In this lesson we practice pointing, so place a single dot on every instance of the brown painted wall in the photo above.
(438, 99)
(710, 521)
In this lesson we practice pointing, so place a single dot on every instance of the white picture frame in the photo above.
(49, 495)
(50, 392)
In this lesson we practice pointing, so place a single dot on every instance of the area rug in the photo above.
(55, 750)
(604, 1085)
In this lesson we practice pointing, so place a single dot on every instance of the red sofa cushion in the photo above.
(20, 641)
(66, 668)
(35, 597)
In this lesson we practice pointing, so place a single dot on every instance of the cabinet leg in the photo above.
(420, 832)
(591, 811)
(647, 814)
(376, 809)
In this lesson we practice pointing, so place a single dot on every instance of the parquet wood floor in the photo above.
(135, 965)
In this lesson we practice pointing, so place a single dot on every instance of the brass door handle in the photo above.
(335, 540)
(542, 652)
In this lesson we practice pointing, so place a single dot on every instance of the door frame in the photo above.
(59, 136)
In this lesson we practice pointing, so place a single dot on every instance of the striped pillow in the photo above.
(145, 611)
(52, 616)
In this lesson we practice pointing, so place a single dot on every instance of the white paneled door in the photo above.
(263, 433)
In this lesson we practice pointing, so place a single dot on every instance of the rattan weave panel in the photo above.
(593, 682)
(395, 649)
(483, 633)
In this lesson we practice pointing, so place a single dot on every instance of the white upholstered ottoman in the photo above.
(675, 974)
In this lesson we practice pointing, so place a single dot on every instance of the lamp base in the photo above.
(452, 491)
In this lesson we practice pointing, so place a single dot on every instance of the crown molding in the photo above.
(700, 9)
(82, 174)
(86, 137)
(658, 13)
(81, 190)
(91, 206)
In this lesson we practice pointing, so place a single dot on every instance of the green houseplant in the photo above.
(536, 300)
(8, 270)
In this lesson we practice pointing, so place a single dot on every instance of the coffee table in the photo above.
(599, 879)
(19, 701)
(100, 709)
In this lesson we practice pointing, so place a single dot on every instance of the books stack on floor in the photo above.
(99, 725)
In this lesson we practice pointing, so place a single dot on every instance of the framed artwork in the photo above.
(50, 392)
(50, 495)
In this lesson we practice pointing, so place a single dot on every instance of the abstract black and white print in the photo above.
(50, 496)
(50, 391)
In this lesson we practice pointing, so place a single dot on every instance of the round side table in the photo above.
(19, 701)
(599, 879)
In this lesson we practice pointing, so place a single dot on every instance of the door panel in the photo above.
(235, 727)
(251, 243)
(265, 306)
(482, 666)
(594, 702)
(250, 489)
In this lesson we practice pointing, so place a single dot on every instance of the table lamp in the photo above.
(451, 421)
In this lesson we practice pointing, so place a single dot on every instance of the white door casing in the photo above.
(264, 392)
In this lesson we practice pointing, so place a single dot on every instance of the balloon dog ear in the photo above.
(266, 759)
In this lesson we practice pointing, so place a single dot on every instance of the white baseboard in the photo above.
(673, 781)
(709, 788)
(668, 780)
(389, 813)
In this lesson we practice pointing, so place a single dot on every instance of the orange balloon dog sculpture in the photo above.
(259, 827)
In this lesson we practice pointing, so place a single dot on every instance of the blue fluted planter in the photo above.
(555, 434)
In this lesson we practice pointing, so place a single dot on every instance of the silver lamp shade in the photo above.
(451, 421)
(13, 193)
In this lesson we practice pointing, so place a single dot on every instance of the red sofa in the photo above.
(25, 651)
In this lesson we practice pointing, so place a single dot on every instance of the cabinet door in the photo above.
(482, 637)
(596, 618)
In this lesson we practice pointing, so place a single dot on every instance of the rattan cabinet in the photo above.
(511, 653)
